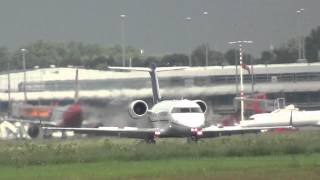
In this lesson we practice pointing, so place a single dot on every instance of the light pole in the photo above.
(252, 76)
(122, 17)
(236, 76)
(300, 38)
(188, 19)
(9, 91)
(240, 44)
(205, 13)
(24, 51)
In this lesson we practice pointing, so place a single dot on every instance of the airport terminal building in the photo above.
(218, 85)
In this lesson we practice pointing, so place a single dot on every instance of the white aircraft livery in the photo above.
(281, 117)
(169, 118)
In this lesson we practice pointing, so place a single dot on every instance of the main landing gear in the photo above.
(192, 139)
(150, 141)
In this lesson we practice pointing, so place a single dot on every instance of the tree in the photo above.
(287, 53)
(116, 53)
(199, 56)
(4, 58)
(174, 60)
(312, 45)
(232, 56)
(41, 54)
(152, 59)
(267, 57)
(214, 57)
(100, 63)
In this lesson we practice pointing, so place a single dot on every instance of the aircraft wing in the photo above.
(161, 69)
(215, 131)
(128, 132)
(29, 121)
(129, 69)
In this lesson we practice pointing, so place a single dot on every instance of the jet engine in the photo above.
(33, 130)
(202, 104)
(138, 109)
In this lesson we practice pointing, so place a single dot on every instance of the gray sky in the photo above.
(157, 26)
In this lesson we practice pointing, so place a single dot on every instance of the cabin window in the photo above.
(196, 110)
(186, 110)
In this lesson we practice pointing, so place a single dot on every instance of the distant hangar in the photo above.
(59, 83)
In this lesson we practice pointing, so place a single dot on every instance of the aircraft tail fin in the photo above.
(153, 75)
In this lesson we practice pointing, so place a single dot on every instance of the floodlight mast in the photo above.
(123, 47)
(24, 51)
(240, 44)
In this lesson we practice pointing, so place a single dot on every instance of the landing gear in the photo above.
(150, 141)
(192, 139)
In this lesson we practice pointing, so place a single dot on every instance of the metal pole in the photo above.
(9, 91)
(24, 74)
(130, 62)
(241, 75)
(189, 37)
(123, 16)
(205, 13)
(236, 77)
(252, 78)
(300, 37)
(241, 83)
(76, 93)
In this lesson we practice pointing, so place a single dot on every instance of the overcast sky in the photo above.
(157, 26)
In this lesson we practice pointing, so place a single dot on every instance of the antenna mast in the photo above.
(240, 44)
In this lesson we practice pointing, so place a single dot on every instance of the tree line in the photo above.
(95, 56)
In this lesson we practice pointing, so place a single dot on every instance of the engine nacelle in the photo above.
(138, 109)
(33, 130)
(202, 104)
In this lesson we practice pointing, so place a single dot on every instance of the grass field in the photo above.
(266, 167)
(294, 155)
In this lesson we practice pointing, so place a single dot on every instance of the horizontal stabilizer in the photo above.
(130, 69)
(161, 69)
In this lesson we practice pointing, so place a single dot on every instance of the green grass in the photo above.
(263, 156)
(260, 167)
(42, 152)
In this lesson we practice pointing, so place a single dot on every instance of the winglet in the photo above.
(291, 123)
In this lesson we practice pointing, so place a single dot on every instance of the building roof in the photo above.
(64, 74)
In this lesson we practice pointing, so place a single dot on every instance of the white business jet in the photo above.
(169, 118)
(281, 117)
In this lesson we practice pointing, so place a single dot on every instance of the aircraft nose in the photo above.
(192, 120)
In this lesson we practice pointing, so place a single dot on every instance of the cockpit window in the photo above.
(186, 110)
(196, 110)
